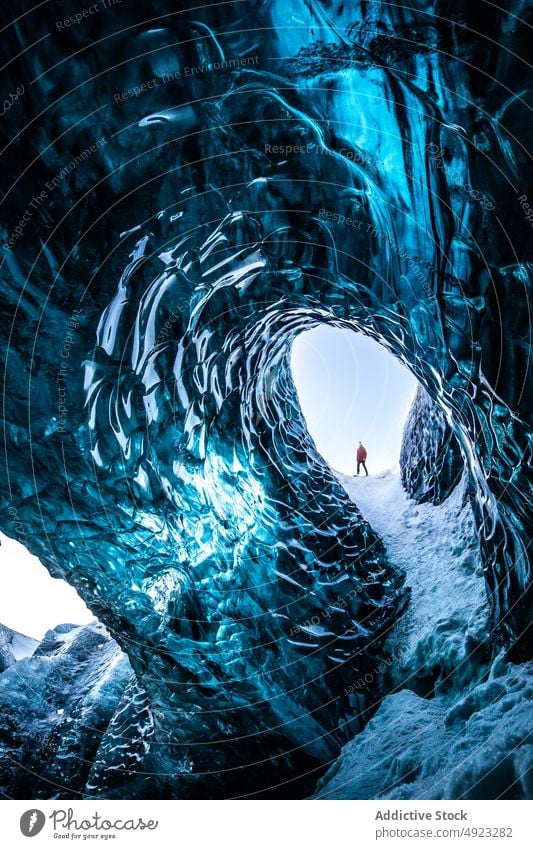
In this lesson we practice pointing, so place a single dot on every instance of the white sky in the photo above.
(31, 601)
(350, 388)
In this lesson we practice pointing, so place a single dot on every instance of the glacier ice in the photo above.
(14, 647)
(178, 204)
(435, 754)
(430, 458)
(456, 721)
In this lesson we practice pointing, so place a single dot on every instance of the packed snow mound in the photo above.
(454, 725)
(476, 748)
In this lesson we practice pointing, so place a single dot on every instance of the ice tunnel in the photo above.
(184, 193)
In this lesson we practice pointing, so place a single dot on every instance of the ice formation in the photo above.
(430, 459)
(181, 198)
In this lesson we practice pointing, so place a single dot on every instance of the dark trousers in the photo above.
(363, 464)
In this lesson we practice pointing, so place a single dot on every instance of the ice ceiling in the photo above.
(183, 194)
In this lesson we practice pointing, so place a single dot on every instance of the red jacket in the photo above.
(361, 454)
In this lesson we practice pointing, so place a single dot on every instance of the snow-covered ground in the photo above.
(456, 722)
(438, 549)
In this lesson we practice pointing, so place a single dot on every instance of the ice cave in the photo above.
(184, 194)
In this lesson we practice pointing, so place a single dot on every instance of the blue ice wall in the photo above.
(431, 465)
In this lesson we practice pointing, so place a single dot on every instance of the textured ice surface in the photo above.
(430, 459)
(162, 248)
(417, 749)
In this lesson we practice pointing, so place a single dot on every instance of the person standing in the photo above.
(361, 458)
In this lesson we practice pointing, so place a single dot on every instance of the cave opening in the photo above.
(45, 603)
(351, 388)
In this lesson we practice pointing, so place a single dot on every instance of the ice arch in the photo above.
(154, 450)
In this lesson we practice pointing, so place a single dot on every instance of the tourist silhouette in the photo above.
(361, 458)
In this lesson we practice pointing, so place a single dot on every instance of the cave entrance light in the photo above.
(31, 601)
(351, 388)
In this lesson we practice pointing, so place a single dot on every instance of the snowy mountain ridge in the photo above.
(14, 646)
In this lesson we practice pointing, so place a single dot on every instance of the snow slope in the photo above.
(438, 549)
(456, 722)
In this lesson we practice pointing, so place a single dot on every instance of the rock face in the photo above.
(177, 206)
(430, 459)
